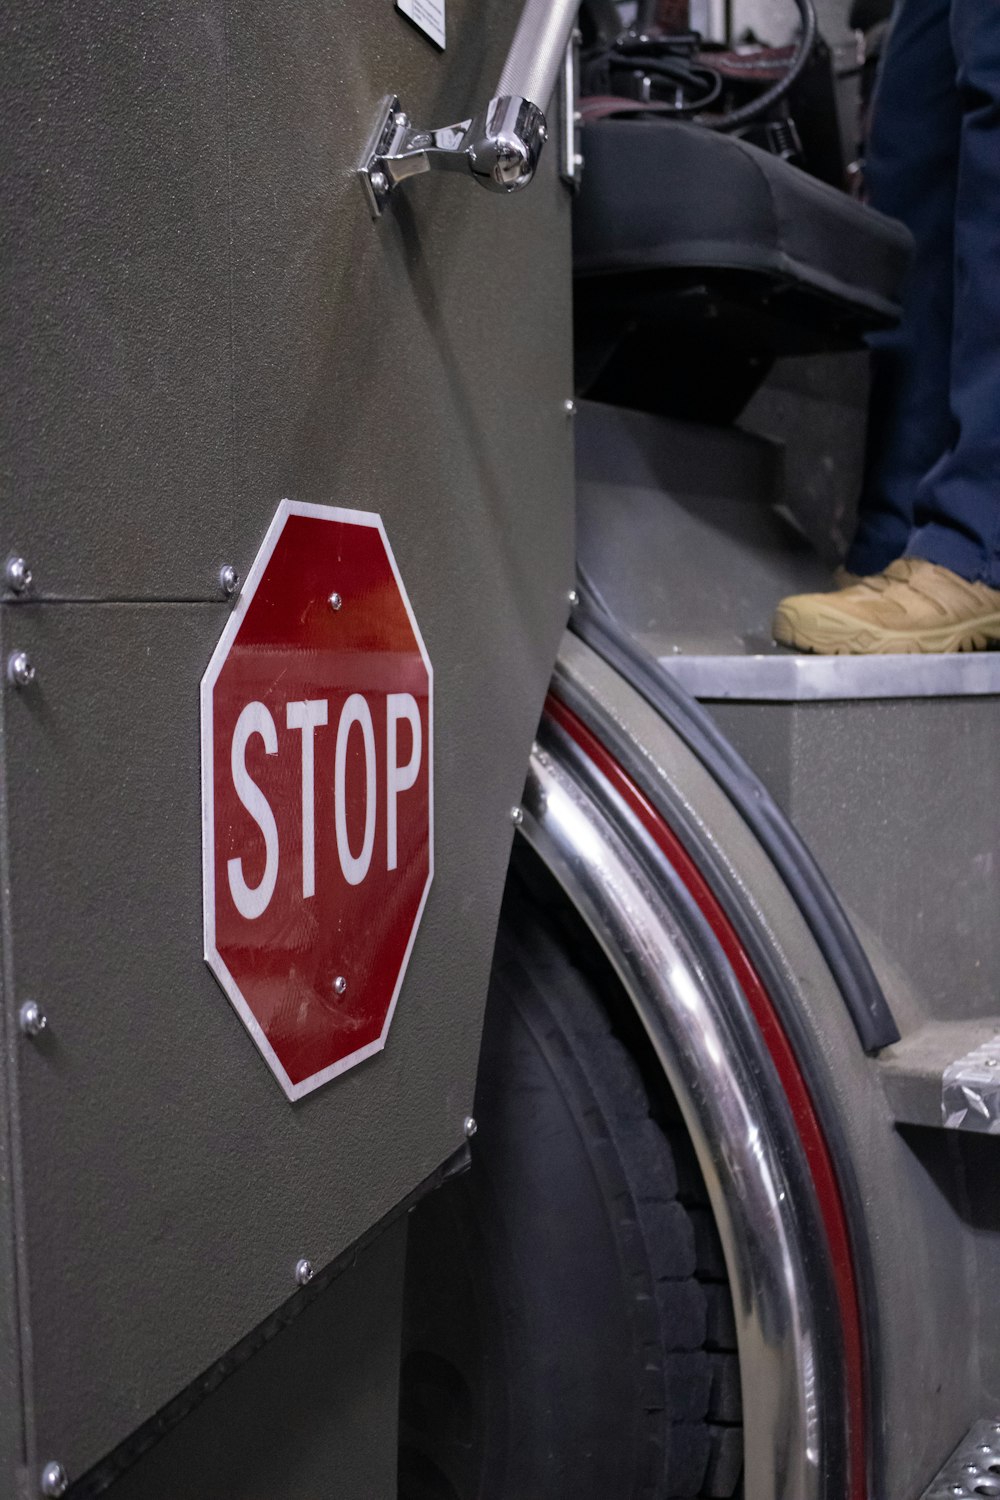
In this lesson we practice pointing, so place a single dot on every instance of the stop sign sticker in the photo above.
(317, 795)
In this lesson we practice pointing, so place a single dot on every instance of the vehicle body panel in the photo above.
(204, 319)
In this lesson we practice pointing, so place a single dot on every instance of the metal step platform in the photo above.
(887, 766)
(974, 1467)
(946, 1074)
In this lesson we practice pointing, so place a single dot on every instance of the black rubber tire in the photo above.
(568, 1327)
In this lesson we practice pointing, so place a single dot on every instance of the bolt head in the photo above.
(340, 985)
(335, 602)
(32, 1019)
(517, 816)
(20, 670)
(569, 407)
(304, 1271)
(18, 575)
(469, 1126)
(229, 580)
(573, 597)
(379, 182)
(55, 1480)
(401, 119)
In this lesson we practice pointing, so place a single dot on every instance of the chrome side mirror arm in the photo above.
(500, 146)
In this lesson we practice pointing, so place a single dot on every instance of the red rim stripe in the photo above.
(803, 1111)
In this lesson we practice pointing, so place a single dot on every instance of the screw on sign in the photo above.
(317, 793)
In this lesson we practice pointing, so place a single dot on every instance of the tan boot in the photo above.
(912, 606)
(844, 580)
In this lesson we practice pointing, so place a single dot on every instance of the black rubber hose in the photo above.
(823, 913)
(681, 74)
(757, 107)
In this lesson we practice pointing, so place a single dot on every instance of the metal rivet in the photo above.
(573, 597)
(379, 182)
(569, 407)
(516, 816)
(401, 119)
(55, 1480)
(31, 1018)
(991, 1062)
(19, 669)
(303, 1271)
(340, 984)
(229, 580)
(18, 575)
(469, 1126)
(335, 601)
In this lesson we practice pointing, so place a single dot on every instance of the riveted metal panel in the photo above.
(116, 322)
(268, 340)
(204, 318)
(11, 1415)
(305, 1418)
(169, 1186)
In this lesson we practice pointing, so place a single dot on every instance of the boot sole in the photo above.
(854, 638)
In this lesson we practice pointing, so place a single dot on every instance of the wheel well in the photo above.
(504, 1313)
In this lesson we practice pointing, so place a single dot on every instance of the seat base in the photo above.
(682, 233)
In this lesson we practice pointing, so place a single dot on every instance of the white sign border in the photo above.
(434, 32)
(212, 956)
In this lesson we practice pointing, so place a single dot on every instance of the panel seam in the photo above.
(20, 1316)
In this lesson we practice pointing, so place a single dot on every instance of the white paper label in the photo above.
(428, 15)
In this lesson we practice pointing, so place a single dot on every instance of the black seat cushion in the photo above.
(664, 197)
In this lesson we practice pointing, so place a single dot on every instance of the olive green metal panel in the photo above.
(203, 319)
(115, 297)
(11, 1414)
(168, 1186)
(307, 1417)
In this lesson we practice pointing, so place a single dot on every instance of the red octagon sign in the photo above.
(317, 801)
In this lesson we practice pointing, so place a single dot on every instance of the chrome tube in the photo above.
(757, 1180)
(537, 51)
(499, 147)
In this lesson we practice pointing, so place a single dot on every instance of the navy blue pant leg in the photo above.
(958, 503)
(912, 169)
